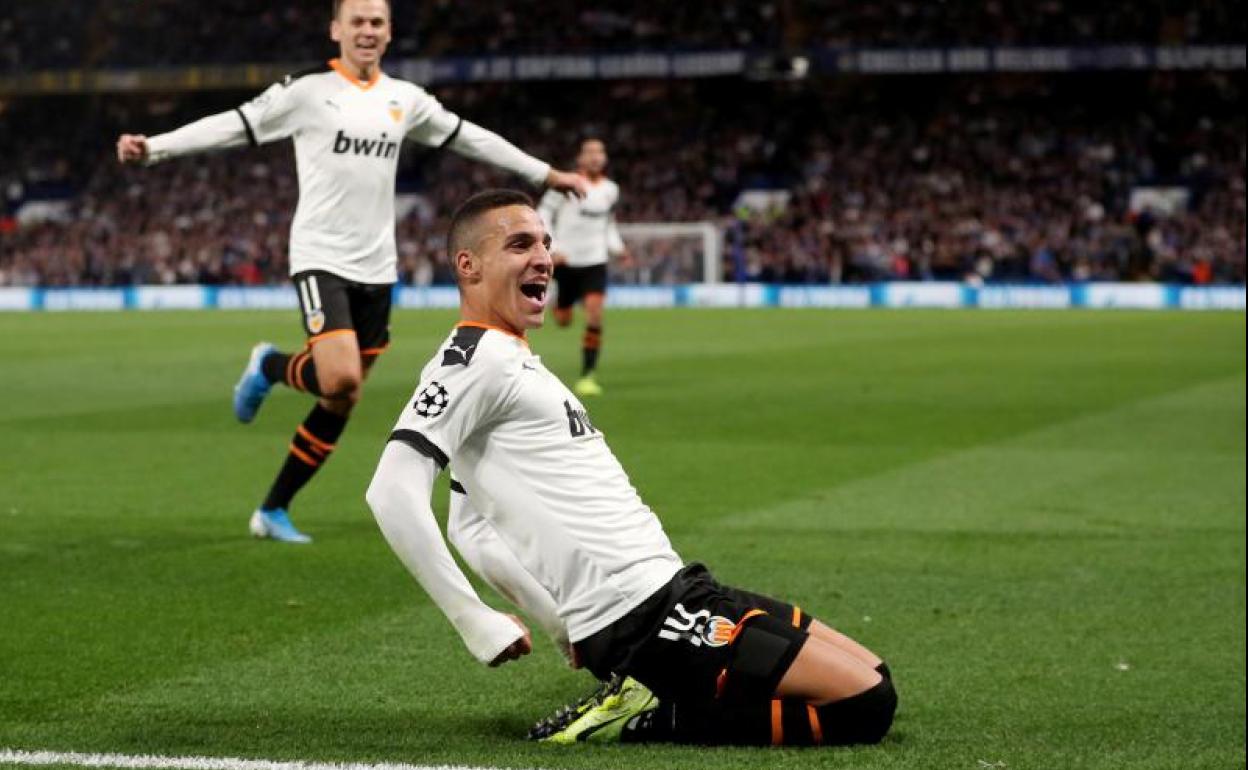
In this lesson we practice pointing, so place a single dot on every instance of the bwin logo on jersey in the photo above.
(432, 401)
(373, 148)
(698, 628)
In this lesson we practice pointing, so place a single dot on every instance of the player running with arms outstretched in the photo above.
(585, 237)
(348, 120)
(538, 487)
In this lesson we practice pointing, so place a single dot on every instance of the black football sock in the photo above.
(590, 344)
(715, 723)
(296, 370)
(313, 443)
(884, 671)
(862, 718)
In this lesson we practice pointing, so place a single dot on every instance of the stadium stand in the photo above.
(988, 177)
(97, 33)
(1009, 178)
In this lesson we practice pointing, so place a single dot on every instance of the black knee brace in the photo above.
(862, 718)
(762, 652)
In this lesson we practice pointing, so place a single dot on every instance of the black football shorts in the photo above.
(332, 305)
(576, 282)
(685, 641)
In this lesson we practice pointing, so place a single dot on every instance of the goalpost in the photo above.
(669, 253)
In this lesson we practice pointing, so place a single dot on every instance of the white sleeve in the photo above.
(225, 129)
(430, 123)
(433, 125)
(486, 146)
(480, 545)
(399, 497)
(272, 115)
(266, 118)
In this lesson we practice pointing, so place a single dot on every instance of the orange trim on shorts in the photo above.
(721, 681)
(297, 452)
(375, 351)
(341, 70)
(777, 722)
(316, 443)
(732, 639)
(797, 617)
(479, 325)
(330, 333)
(816, 729)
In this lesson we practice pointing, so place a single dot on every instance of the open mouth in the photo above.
(535, 291)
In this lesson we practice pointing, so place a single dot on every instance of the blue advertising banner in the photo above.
(901, 294)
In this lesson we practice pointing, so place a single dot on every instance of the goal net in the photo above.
(669, 253)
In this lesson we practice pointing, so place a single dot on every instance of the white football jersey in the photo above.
(535, 466)
(347, 135)
(583, 230)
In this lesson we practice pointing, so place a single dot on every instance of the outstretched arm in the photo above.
(270, 116)
(435, 126)
(484, 145)
(225, 129)
(399, 496)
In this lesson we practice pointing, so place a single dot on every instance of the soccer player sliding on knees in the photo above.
(348, 120)
(544, 511)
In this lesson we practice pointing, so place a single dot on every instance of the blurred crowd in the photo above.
(53, 34)
(985, 179)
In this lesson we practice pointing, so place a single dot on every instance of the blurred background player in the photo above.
(348, 120)
(585, 237)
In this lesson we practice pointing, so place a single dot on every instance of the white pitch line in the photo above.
(150, 762)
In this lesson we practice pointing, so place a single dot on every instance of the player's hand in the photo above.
(517, 649)
(567, 182)
(132, 148)
(626, 260)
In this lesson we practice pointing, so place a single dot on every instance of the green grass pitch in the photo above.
(1036, 517)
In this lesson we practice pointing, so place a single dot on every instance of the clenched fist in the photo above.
(132, 148)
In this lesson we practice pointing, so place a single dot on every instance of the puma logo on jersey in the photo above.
(578, 421)
(454, 354)
(463, 345)
(373, 148)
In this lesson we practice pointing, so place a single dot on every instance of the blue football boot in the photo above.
(253, 386)
(275, 525)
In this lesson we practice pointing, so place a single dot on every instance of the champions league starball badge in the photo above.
(431, 401)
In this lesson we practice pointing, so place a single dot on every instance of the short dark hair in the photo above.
(338, 7)
(472, 209)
